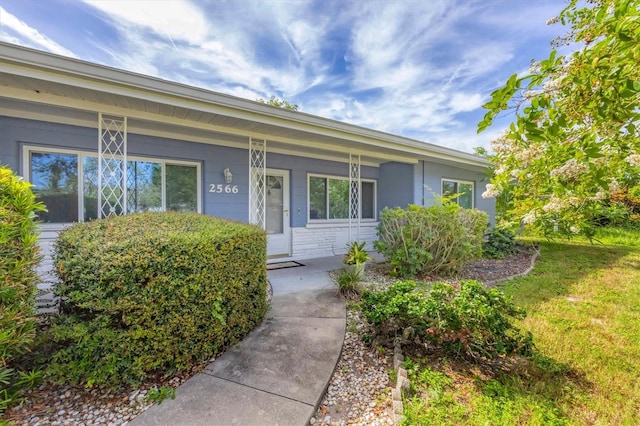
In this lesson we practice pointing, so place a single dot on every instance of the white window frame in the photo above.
(459, 181)
(26, 167)
(345, 178)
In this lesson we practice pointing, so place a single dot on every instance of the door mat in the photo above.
(283, 265)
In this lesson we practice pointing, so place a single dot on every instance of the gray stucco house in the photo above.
(96, 141)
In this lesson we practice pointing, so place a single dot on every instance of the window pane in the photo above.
(90, 188)
(317, 198)
(275, 202)
(368, 200)
(338, 199)
(448, 188)
(55, 182)
(182, 188)
(144, 187)
(466, 199)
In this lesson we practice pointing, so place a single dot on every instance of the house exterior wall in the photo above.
(428, 178)
(395, 185)
(17, 133)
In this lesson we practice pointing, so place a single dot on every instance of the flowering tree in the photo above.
(575, 138)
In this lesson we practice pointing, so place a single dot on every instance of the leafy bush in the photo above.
(19, 255)
(419, 241)
(498, 243)
(153, 292)
(622, 209)
(465, 320)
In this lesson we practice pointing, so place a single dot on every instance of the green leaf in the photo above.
(633, 85)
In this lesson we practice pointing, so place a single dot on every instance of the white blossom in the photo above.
(491, 191)
(614, 185)
(633, 159)
(552, 85)
(500, 170)
(534, 67)
(502, 144)
(555, 204)
(571, 170)
(529, 218)
(601, 195)
(574, 229)
(529, 155)
(529, 94)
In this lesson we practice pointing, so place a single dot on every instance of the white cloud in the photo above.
(416, 68)
(463, 102)
(34, 37)
(174, 18)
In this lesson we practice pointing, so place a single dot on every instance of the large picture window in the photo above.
(67, 183)
(463, 188)
(329, 198)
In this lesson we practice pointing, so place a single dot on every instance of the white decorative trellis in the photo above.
(112, 165)
(355, 199)
(257, 176)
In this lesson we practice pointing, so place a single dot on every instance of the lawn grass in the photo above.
(583, 302)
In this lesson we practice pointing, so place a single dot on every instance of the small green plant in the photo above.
(356, 254)
(348, 281)
(157, 395)
(498, 243)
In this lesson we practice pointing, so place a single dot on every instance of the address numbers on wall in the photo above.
(223, 189)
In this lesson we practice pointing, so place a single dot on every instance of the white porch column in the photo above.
(355, 199)
(112, 165)
(257, 177)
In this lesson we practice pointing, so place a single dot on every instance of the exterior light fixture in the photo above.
(227, 175)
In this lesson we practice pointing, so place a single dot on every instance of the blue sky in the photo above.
(420, 69)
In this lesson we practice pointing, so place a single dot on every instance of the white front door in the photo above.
(277, 213)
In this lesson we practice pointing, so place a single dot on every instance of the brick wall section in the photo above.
(45, 300)
(327, 240)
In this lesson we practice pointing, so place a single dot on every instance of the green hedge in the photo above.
(19, 255)
(419, 241)
(154, 292)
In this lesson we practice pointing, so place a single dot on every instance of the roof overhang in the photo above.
(54, 88)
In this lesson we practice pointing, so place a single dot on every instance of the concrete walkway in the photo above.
(278, 374)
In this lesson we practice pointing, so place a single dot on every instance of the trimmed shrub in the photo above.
(466, 320)
(419, 240)
(154, 293)
(498, 243)
(19, 255)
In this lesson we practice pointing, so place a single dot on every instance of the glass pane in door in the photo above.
(275, 200)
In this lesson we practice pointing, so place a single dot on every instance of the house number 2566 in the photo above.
(220, 188)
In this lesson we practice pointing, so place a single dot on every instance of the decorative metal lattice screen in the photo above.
(112, 165)
(257, 176)
(355, 198)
